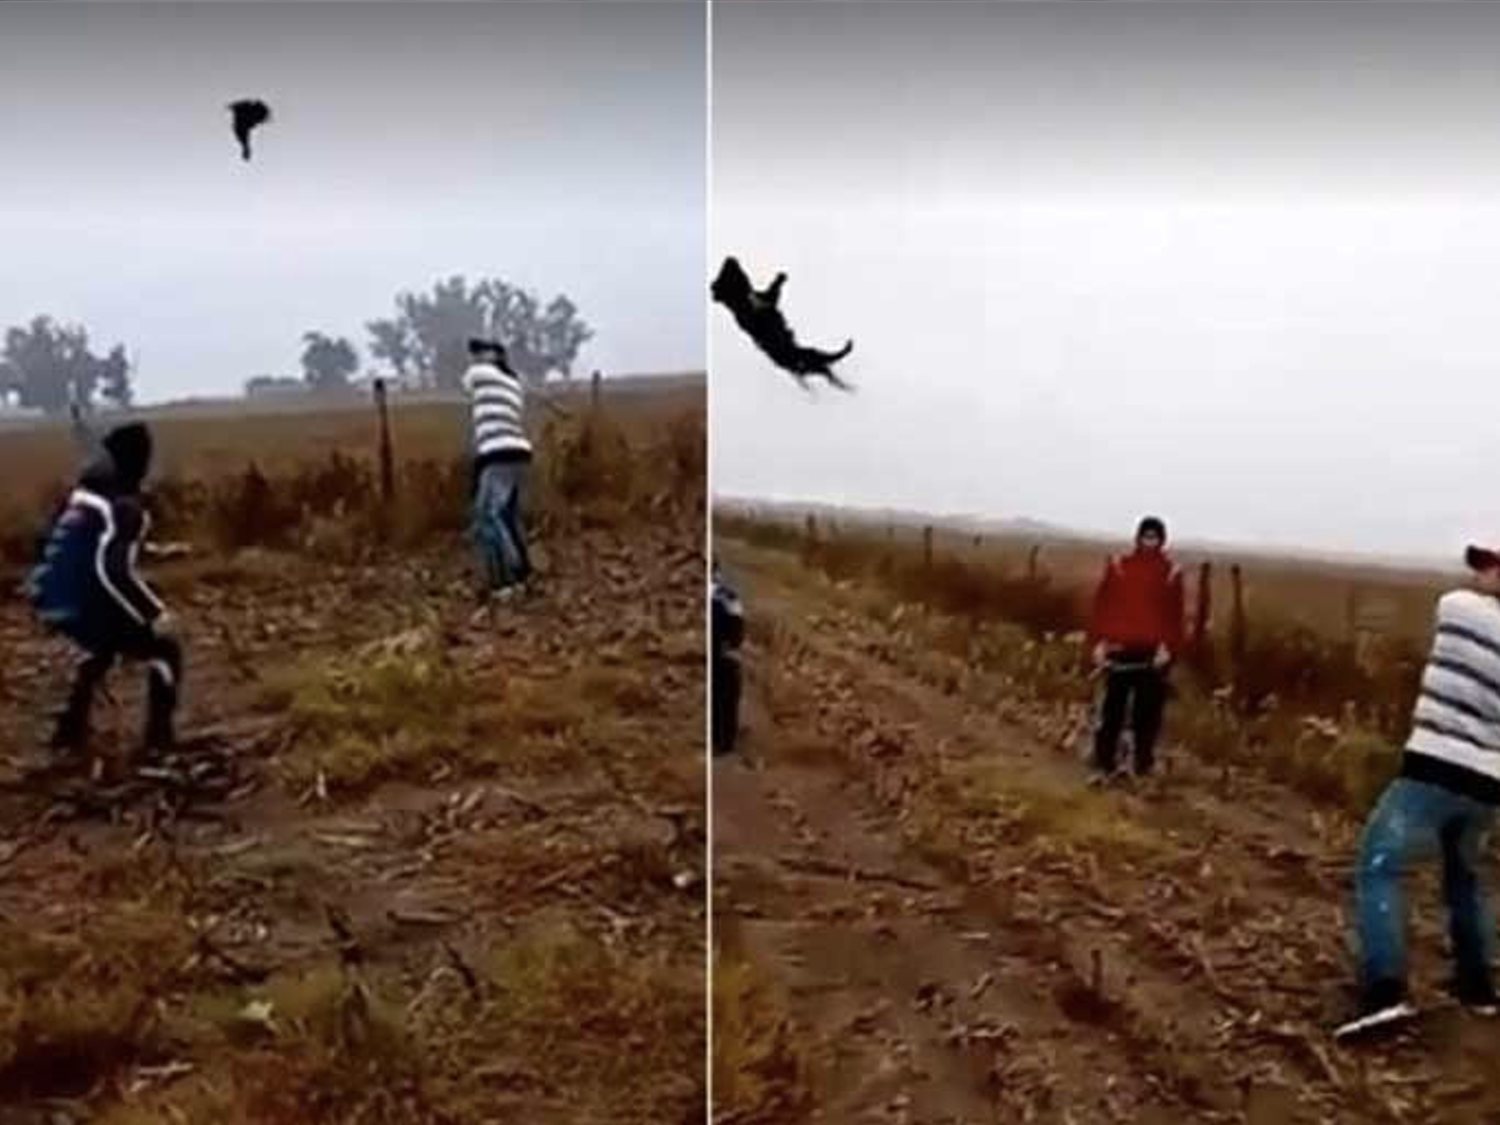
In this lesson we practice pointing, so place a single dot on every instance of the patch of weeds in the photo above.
(616, 1033)
(314, 1046)
(1333, 763)
(622, 689)
(1350, 768)
(77, 1007)
(976, 791)
(759, 1069)
(371, 718)
(402, 713)
(544, 709)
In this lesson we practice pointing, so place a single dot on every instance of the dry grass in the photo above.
(759, 1069)
(373, 717)
(314, 1046)
(407, 712)
(322, 1046)
(1309, 709)
(552, 1013)
(77, 1008)
(597, 1011)
(594, 1012)
(1317, 595)
(199, 442)
(308, 480)
(992, 793)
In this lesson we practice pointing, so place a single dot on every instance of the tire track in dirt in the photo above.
(917, 1002)
(1225, 928)
(1264, 931)
(913, 1008)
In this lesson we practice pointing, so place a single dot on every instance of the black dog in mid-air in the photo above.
(757, 311)
(248, 113)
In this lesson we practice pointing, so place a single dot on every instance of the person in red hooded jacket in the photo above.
(1136, 632)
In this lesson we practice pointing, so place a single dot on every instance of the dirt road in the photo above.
(462, 880)
(957, 930)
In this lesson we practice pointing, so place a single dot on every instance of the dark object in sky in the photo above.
(248, 113)
(757, 312)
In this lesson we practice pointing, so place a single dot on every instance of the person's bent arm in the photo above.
(118, 548)
(1103, 597)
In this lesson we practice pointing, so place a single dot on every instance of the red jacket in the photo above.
(1140, 602)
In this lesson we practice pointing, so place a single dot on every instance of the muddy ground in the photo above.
(456, 874)
(923, 916)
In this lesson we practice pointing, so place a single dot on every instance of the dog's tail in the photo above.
(834, 357)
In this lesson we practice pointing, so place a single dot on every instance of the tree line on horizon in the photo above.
(425, 342)
(46, 365)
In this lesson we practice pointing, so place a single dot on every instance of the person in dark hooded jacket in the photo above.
(727, 635)
(86, 588)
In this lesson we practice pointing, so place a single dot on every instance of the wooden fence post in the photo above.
(1237, 631)
(387, 456)
(810, 540)
(927, 547)
(1202, 613)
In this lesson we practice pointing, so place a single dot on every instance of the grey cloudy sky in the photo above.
(1234, 263)
(557, 144)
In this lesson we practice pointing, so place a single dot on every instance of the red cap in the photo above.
(1481, 558)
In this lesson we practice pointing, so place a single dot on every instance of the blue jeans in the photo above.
(1416, 820)
(499, 531)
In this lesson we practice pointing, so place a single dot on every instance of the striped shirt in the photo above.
(1455, 737)
(497, 410)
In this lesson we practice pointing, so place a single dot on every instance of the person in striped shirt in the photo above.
(502, 459)
(1442, 804)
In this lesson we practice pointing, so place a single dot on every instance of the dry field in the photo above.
(1330, 598)
(924, 916)
(443, 869)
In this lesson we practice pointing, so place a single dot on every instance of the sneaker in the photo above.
(1383, 1006)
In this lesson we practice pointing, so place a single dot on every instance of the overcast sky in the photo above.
(557, 144)
(1233, 263)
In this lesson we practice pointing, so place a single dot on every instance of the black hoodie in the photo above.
(87, 567)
